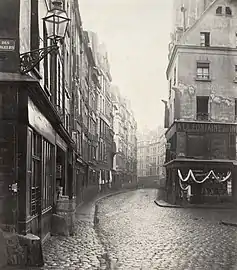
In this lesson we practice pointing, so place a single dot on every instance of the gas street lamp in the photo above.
(56, 23)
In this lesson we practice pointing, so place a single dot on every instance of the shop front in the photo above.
(47, 173)
(29, 158)
(199, 182)
(200, 162)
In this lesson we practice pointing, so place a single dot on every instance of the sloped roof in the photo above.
(188, 31)
(199, 19)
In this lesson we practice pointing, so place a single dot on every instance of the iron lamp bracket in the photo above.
(29, 60)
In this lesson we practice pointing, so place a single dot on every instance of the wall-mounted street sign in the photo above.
(7, 45)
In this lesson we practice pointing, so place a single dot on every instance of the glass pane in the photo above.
(205, 71)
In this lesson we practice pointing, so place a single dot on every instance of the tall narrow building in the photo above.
(202, 106)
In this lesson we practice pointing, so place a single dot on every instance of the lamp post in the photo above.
(56, 23)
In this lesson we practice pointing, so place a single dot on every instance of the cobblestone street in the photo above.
(132, 232)
(140, 235)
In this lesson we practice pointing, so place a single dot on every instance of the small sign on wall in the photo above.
(7, 45)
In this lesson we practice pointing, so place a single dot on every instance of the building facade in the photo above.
(125, 138)
(39, 149)
(151, 147)
(104, 111)
(201, 135)
(56, 120)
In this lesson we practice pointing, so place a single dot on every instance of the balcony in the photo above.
(202, 116)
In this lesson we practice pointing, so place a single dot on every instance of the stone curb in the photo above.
(93, 203)
(191, 206)
(167, 205)
(112, 194)
(108, 259)
(227, 223)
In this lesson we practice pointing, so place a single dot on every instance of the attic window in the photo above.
(219, 10)
(228, 11)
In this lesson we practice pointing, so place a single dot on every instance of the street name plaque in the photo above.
(7, 45)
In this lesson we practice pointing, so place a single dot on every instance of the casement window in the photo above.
(202, 108)
(228, 11)
(67, 111)
(219, 10)
(59, 85)
(203, 71)
(66, 67)
(79, 143)
(205, 39)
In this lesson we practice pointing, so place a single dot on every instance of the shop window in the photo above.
(47, 174)
(34, 171)
(196, 146)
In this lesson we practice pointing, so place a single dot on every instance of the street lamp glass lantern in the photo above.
(56, 21)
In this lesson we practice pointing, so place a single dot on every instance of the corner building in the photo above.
(202, 108)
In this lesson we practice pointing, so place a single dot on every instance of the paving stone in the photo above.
(134, 233)
(162, 238)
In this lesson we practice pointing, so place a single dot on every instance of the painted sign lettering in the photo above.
(206, 128)
(7, 45)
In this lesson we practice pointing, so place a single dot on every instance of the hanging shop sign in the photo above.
(206, 127)
(7, 45)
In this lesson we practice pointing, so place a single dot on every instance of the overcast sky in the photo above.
(136, 34)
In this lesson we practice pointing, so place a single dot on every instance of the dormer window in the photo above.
(219, 10)
(228, 11)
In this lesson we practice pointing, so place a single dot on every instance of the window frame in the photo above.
(219, 8)
(228, 11)
(205, 39)
(202, 115)
(201, 67)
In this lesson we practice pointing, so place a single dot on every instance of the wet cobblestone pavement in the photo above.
(138, 234)
(134, 233)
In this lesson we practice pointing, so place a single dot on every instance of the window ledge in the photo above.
(203, 80)
(235, 80)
